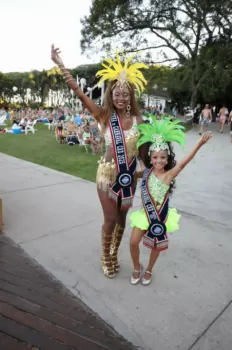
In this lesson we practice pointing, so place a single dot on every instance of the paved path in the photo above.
(56, 219)
(37, 312)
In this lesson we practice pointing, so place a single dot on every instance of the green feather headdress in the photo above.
(159, 132)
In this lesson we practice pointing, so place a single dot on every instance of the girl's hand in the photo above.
(205, 138)
(55, 55)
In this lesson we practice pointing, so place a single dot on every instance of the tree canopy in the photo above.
(40, 82)
(168, 31)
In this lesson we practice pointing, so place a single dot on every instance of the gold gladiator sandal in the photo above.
(107, 266)
(117, 238)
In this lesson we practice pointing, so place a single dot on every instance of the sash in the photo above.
(156, 236)
(125, 171)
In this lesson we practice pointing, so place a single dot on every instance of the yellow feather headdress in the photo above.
(124, 72)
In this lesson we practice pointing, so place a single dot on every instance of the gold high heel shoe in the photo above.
(107, 266)
(117, 238)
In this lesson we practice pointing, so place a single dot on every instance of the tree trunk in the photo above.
(193, 100)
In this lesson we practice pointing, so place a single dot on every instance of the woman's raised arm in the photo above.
(93, 109)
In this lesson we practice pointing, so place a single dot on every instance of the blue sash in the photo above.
(125, 171)
(156, 236)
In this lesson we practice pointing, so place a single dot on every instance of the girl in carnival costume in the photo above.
(155, 219)
(118, 118)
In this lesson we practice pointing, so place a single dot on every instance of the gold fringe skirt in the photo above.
(107, 172)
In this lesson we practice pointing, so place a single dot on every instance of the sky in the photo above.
(29, 27)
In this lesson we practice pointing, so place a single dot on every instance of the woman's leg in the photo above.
(119, 231)
(136, 237)
(117, 237)
(110, 216)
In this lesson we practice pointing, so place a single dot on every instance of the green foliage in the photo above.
(41, 81)
(178, 30)
(87, 71)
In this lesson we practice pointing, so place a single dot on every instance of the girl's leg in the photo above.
(136, 237)
(153, 257)
(110, 216)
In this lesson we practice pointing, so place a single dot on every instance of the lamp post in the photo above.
(90, 90)
(83, 83)
(102, 93)
(72, 93)
(14, 88)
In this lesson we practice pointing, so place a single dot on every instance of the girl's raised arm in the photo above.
(182, 164)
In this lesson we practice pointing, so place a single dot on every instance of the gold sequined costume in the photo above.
(106, 173)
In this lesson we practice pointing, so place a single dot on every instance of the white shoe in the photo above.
(146, 282)
(135, 281)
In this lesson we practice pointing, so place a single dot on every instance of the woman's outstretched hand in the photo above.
(205, 138)
(55, 55)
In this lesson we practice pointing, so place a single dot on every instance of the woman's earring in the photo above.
(128, 108)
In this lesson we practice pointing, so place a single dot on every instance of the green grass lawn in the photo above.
(42, 148)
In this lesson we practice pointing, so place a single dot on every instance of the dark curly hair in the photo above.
(143, 154)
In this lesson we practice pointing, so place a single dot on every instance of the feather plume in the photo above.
(125, 73)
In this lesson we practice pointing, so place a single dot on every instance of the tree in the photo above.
(87, 71)
(216, 67)
(178, 29)
(40, 82)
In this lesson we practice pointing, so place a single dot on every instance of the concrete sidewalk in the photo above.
(56, 218)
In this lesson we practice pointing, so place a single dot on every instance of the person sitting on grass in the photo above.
(89, 139)
(60, 132)
(23, 123)
(72, 139)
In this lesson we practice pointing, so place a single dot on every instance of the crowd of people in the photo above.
(71, 127)
(208, 114)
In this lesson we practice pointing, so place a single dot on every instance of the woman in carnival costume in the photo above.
(116, 175)
(156, 219)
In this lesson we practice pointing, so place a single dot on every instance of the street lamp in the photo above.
(14, 88)
(102, 93)
(90, 91)
(72, 93)
(83, 83)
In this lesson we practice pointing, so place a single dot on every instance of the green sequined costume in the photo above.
(158, 191)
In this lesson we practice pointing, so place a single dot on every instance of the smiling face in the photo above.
(159, 159)
(121, 98)
(86, 128)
